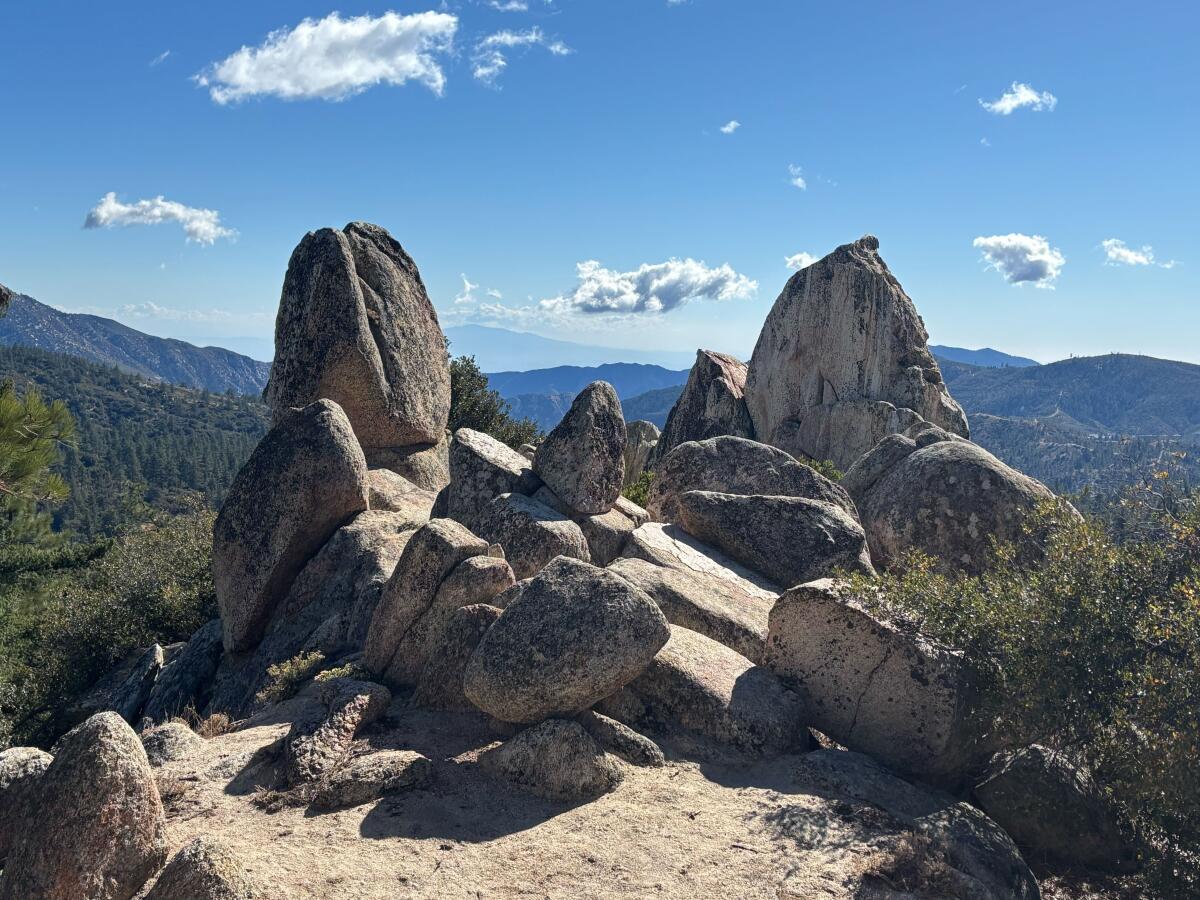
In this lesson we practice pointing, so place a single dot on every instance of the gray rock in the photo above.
(835, 431)
(531, 533)
(99, 831)
(431, 554)
(712, 403)
(204, 869)
(674, 548)
(875, 463)
(717, 608)
(789, 539)
(184, 679)
(950, 500)
(21, 771)
(170, 742)
(575, 635)
(986, 864)
(355, 326)
(843, 331)
(581, 459)
(304, 480)
(874, 687)
(621, 740)
(425, 465)
(641, 437)
(481, 469)
(1055, 809)
(605, 534)
(698, 685)
(365, 779)
(556, 760)
(313, 750)
(390, 492)
(733, 465)
(631, 511)
(441, 683)
(127, 701)
(477, 579)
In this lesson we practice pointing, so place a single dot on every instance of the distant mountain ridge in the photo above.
(986, 357)
(100, 340)
(502, 350)
(629, 379)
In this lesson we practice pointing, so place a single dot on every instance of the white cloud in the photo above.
(1022, 258)
(489, 58)
(796, 177)
(509, 5)
(1118, 253)
(336, 58)
(731, 126)
(800, 260)
(984, 142)
(160, 58)
(202, 226)
(467, 294)
(651, 288)
(151, 310)
(1018, 96)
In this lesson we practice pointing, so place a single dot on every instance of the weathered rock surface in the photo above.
(699, 685)
(712, 403)
(425, 465)
(313, 750)
(1056, 810)
(620, 739)
(390, 492)
(481, 469)
(304, 480)
(99, 831)
(950, 500)
(574, 635)
(556, 760)
(365, 779)
(734, 465)
(129, 699)
(674, 548)
(170, 742)
(581, 459)
(430, 555)
(641, 437)
(789, 539)
(839, 429)
(874, 687)
(204, 869)
(843, 331)
(441, 683)
(631, 511)
(21, 770)
(355, 326)
(606, 534)
(531, 533)
(718, 608)
(984, 862)
(475, 580)
(184, 680)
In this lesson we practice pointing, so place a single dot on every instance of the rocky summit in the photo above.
(502, 677)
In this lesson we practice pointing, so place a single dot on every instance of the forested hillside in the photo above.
(136, 440)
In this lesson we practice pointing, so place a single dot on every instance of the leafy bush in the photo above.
(639, 491)
(284, 679)
(1096, 651)
(824, 467)
(474, 405)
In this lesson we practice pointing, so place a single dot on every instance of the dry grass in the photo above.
(916, 865)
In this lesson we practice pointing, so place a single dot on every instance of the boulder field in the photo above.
(447, 667)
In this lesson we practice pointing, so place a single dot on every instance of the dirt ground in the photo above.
(692, 829)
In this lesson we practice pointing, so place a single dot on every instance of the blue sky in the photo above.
(514, 147)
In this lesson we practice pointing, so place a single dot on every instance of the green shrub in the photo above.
(639, 491)
(285, 679)
(474, 405)
(824, 467)
(1094, 650)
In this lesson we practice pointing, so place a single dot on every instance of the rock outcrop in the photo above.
(204, 869)
(21, 771)
(99, 830)
(950, 499)
(367, 778)
(170, 742)
(641, 439)
(875, 687)
(314, 750)
(672, 547)
(712, 404)
(481, 469)
(557, 760)
(355, 326)
(183, 681)
(304, 480)
(441, 683)
(531, 533)
(840, 354)
(734, 465)
(574, 635)
(581, 460)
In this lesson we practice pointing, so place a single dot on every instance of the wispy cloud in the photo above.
(335, 58)
(731, 126)
(151, 310)
(490, 56)
(799, 260)
(1022, 258)
(201, 226)
(160, 58)
(1118, 253)
(509, 5)
(1019, 96)
(796, 177)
